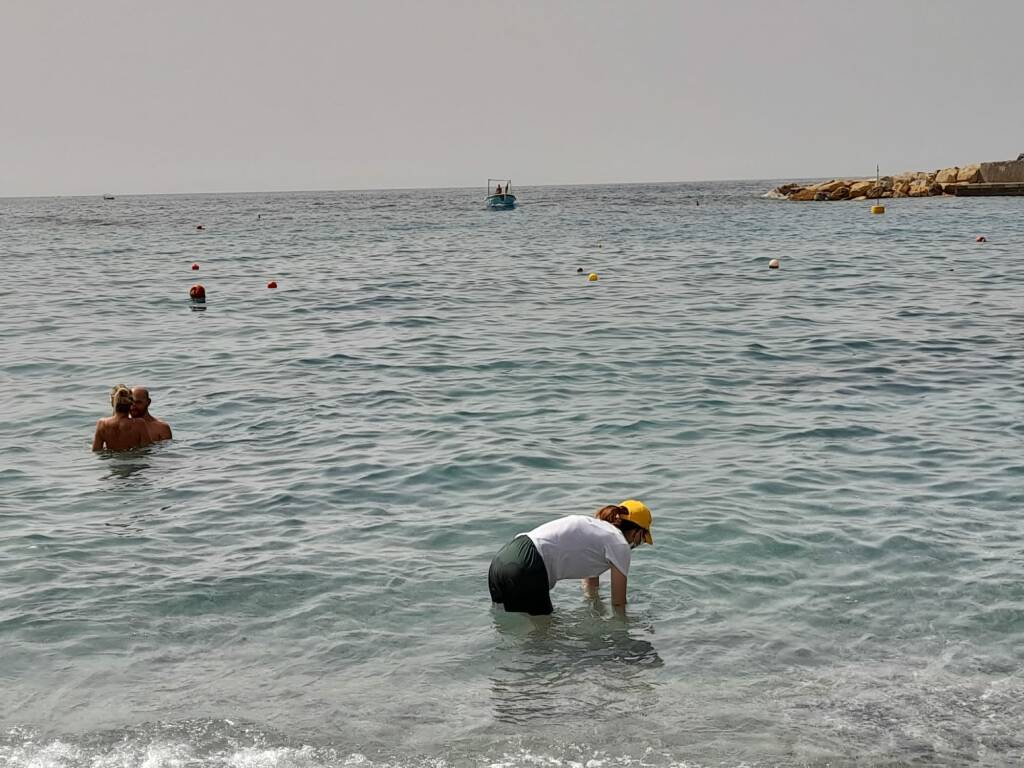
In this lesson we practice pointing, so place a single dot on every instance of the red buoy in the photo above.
(197, 292)
(195, 267)
(272, 284)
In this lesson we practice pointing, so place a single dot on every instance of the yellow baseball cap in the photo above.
(640, 515)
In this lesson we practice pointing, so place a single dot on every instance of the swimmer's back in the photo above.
(122, 434)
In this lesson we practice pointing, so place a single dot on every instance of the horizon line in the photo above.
(397, 189)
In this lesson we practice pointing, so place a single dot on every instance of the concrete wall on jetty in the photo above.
(1007, 171)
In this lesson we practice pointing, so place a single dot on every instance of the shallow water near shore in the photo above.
(833, 453)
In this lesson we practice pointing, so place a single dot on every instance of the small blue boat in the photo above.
(498, 195)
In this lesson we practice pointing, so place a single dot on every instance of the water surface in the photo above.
(833, 453)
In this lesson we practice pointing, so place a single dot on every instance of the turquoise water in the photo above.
(833, 453)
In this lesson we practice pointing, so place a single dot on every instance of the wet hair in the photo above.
(121, 399)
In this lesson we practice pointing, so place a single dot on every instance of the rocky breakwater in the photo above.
(910, 184)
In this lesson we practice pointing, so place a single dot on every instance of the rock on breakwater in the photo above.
(946, 181)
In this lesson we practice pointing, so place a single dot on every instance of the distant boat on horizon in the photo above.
(498, 196)
(108, 197)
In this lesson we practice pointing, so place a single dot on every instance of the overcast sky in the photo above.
(133, 96)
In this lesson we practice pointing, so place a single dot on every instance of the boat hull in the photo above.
(501, 202)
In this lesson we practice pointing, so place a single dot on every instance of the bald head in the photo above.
(140, 401)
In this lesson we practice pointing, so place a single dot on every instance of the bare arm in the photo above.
(618, 587)
(97, 439)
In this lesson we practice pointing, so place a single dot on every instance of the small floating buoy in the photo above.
(272, 284)
(579, 270)
(200, 226)
(773, 264)
(197, 292)
(195, 267)
(592, 277)
(878, 209)
(981, 239)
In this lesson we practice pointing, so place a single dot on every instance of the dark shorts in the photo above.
(518, 578)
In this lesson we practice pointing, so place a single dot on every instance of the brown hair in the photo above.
(614, 514)
(121, 399)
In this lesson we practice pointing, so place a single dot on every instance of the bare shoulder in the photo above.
(100, 436)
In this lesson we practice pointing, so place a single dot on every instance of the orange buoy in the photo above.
(197, 292)
(981, 239)
(272, 284)
(195, 267)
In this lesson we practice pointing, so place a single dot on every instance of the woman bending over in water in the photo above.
(524, 571)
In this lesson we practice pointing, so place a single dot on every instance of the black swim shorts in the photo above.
(518, 578)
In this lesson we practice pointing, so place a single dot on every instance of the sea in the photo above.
(833, 453)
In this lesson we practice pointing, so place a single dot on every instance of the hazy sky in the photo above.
(131, 96)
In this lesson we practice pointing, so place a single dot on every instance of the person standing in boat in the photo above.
(498, 190)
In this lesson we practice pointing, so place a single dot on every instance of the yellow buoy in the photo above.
(592, 277)
(877, 207)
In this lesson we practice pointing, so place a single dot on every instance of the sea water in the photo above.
(833, 453)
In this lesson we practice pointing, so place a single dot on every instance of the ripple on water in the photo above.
(829, 450)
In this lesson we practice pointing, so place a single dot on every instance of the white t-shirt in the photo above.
(579, 547)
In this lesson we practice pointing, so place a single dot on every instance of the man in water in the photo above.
(155, 428)
(120, 432)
